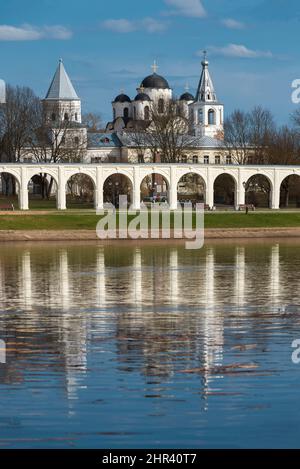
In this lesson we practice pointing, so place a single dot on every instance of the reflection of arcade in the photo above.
(162, 307)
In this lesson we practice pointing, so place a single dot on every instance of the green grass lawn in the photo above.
(87, 221)
(37, 203)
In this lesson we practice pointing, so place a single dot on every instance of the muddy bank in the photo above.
(90, 235)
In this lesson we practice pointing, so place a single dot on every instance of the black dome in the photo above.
(155, 81)
(122, 98)
(187, 97)
(142, 97)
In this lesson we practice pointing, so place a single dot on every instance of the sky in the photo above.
(109, 46)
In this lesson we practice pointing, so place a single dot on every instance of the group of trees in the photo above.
(25, 132)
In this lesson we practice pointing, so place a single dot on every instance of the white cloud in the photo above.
(119, 26)
(27, 32)
(191, 8)
(230, 23)
(239, 51)
(122, 25)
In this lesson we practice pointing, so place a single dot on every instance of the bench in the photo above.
(244, 207)
(8, 207)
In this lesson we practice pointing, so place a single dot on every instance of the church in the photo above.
(203, 112)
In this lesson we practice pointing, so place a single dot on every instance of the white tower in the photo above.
(61, 102)
(207, 114)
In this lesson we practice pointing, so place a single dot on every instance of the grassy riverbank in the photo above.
(86, 220)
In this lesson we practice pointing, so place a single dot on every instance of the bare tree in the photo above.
(167, 134)
(92, 121)
(248, 134)
(60, 142)
(18, 117)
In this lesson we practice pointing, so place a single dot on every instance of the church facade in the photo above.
(203, 112)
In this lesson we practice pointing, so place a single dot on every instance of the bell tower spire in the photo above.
(207, 113)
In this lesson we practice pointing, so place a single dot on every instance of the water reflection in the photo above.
(92, 316)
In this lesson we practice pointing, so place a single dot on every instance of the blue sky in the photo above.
(107, 46)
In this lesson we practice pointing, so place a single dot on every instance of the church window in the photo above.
(76, 116)
(211, 117)
(66, 116)
(217, 159)
(200, 116)
(206, 159)
(76, 140)
(147, 113)
(195, 159)
(63, 140)
(161, 106)
(228, 159)
(126, 113)
(53, 117)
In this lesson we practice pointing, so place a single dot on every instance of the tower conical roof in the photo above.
(61, 86)
(206, 91)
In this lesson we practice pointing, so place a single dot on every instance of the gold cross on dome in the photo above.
(155, 67)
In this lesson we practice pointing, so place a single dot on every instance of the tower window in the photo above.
(211, 117)
(217, 159)
(206, 159)
(161, 106)
(228, 159)
(76, 116)
(200, 116)
(195, 159)
(126, 113)
(147, 113)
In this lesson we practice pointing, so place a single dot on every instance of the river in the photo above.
(150, 345)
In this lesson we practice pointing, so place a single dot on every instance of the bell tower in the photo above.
(61, 102)
(206, 112)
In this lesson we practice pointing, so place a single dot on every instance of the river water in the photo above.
(150, 345)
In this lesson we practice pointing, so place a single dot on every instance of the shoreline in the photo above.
(90, 235)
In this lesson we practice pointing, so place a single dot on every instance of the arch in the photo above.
(126, 112)
(9, 189)
(258, 190)
(155, 187)
(80, 190)
(191, 187)
(116, 185)
(200, 116)
(225, 190)
(147, 113)
(211, 117)
(42, 190)
(161, 106)
(290, 191)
